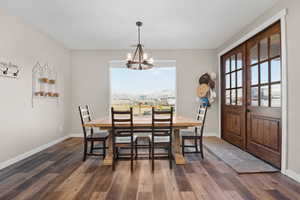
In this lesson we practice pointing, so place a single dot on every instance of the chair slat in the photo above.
(122, 112)
(85, 116)
(162, 120)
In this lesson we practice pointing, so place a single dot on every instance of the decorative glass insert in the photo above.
(254, 96)
(239, 61)
(227, 97)
(275, 45)
(275, 70)
(264, 73)
(239, 78)
(233, 97)
(264, 96)
(227, 65)
(263, 49)
(254, 54)
(227, 77)
(233, 80)
(233, 63)
(254, 75)
(239, 97)
(276, 95)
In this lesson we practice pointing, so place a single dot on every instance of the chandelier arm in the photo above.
(135, 52)
(140, 56)
(139, 34)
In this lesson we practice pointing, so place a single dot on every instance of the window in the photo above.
(143, 89)
(234, 79)
(265, 70)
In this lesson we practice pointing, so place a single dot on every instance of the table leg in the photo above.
(179, 158)
(109, 156)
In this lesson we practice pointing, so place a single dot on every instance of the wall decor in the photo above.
(44, 83)
(9, 70)
(206, 89)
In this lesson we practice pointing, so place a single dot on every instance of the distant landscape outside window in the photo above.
(143, 89)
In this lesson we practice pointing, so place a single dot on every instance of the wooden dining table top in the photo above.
(141, 121)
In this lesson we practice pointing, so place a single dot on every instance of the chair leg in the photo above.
(149, 149)
(114, 158)
(152, 156)
(131, 156)
(201, 148)
(196, 145)
(182, 146)
(104, 149)
(170, 156)
(84, 150)
(92, 147)
(117, 152)
(136, 149)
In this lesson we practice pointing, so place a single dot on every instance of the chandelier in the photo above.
(139, 60)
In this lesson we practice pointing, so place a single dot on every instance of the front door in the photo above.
(251, 95)
(264, 95)
(233, 103)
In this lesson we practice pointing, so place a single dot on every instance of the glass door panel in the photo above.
(275, 45)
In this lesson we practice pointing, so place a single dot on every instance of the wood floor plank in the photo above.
(59, 173)
(35, 188)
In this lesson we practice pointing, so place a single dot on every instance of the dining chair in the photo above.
(123, 134)
(161, 137)
(196, 134)
(90, 137)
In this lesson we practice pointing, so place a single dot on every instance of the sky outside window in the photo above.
(142, 89)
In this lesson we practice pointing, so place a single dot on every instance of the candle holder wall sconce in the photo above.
(44, 83)
(9, 70)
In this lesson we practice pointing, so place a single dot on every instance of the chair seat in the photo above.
(160, 139)
(124, 140)
(98, 135)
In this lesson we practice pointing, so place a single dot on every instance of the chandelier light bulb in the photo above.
(151, 61)
(129, 57)
(145, 56)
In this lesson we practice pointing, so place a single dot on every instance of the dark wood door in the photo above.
(263, 60)
(251, 95)
(233, 93)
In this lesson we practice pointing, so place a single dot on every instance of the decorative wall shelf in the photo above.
(44, 83)
(9, 70)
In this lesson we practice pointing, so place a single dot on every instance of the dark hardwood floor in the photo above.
(59, 173)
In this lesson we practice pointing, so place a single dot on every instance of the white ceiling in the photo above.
(110, 24)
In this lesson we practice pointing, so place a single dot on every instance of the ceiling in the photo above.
(110, 24)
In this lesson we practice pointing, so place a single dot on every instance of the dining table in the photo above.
(142, 122)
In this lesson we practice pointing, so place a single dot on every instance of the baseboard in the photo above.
(292, 174)
(210, 134)
(30, 153)
(75, 135)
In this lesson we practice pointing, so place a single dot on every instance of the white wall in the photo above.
(293, 71)
(90, 81)
(22, 127)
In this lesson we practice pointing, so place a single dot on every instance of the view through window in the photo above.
(143, 89)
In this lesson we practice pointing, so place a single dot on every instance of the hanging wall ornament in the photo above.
(44, 83)
(206, 89)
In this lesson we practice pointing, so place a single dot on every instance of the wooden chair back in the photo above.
(201, 116)
(85, 117)
(162, 122)
(122, 123)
